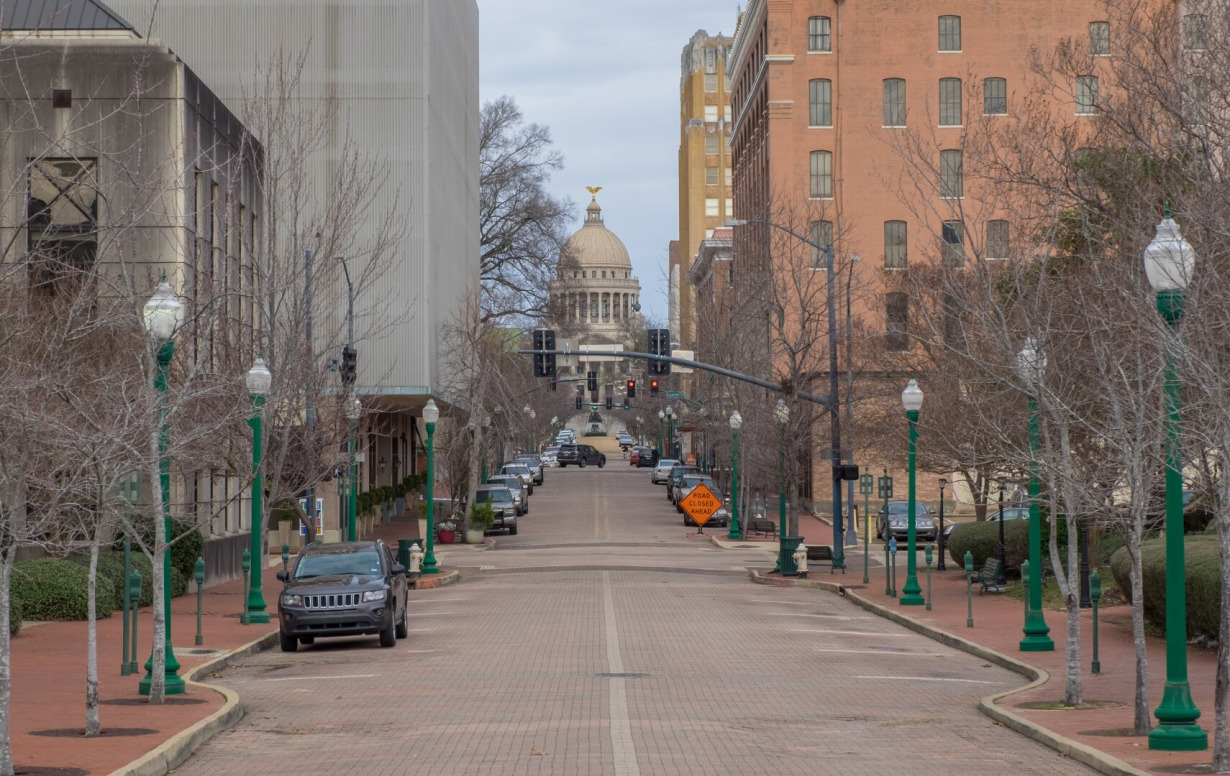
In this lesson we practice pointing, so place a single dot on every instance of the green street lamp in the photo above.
(670, 431)
(736, 422)
(1031, 363)
(431, 413)
(786, 545)
(911, 593)
(661, 450)
(259, 380)
(1169, 261)
(163, 314)
(354, 411)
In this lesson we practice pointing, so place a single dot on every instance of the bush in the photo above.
(55, 589)
(1106, 546)
(482, 516)
(1203, 584)
(111, 564)
(187, 548)
(982, 540)
(16, 614)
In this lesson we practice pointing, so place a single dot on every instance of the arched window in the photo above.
(950, 102)
(950, 33)
(822, 174)
(995, 97)
(820, 100)
(952, 184)
(894, 244)
(894, 102)
(819, 34)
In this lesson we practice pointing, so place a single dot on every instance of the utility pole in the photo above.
(839, 554)
(851, 528)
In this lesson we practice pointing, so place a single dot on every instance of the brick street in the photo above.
(606, 638)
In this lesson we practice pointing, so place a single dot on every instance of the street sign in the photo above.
(700, 504)
(674, 394)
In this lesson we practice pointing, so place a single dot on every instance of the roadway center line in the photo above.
(621, 725)
(923, 679)
(306, 678)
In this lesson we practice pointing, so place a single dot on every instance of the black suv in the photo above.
(579, 455)
(343, 589)
(676, 476)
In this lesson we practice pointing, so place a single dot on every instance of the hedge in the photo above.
(111, 565)
(16, 614)
(55, 589)
(1203, 584)
(184, 551)
(982, 539)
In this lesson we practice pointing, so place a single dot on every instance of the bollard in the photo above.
(888, 582)
(1095, 595)
(129, 666)
(969, 589)
(892, 553)
(285, 555)
(927, 554)
(247, 567)
(198, 573)
(1025, 585)
(800, 560)
(126, 605)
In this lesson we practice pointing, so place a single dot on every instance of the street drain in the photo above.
(621, 676)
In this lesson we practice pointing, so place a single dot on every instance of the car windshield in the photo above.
(903, 507)
(689, 481)
(494, 495)
(364, 561)
(666, 463)
(516, 470)
(528, 461)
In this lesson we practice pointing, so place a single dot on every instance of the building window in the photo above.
(1196, 100)
(897, 320)
(821, 175)
(711, 113)
(950, 33)
(952, 249)
(710, 82)
(730, 207)
(729, 174)
(894, 245)
(819, 37)
(727, 114)
(711, 144)
(711, 176)
(822, 235)
(950, 102)
(1193, 32)
(997, 240)
(710, 59)
(1099, 39)
(894, 102)
(952, 185)
(820, 98)
(995, 97)
(711, 207)
(61, 222)
(1086, 95)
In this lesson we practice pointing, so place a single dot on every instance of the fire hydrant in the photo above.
(416, 560)
(800, 560)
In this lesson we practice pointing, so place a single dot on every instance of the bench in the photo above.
(822, 553)
(759, 525)
(988, 576)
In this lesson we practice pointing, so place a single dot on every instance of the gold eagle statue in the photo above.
(593, 190)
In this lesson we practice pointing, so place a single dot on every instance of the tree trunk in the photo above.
(1141, 719)
(6, 675)
(1221, 726)
(92, 722)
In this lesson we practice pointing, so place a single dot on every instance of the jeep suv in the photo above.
(343, 589)
(580, 455)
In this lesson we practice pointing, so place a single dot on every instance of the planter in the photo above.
(447, 537)
(474, 536)
(423, 528)
(399, 507)
(386, 511)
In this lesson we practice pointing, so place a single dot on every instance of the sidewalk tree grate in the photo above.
(105, 732)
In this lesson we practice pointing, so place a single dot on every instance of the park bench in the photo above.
(821, 553)
(988, 576)
(760, 525)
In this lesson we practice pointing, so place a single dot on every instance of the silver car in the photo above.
(522, 471)
(521, 496)
(662, 472)
(534, 464)
(898, 522)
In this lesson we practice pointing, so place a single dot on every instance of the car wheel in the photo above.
(288, 643)
(601, 462)
(403, 626)
(582, 464)
(388, 636)
(512, 531)
(307, 641)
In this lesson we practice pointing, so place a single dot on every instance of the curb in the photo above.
(171, 753)
(437, 580)
(1094, 758)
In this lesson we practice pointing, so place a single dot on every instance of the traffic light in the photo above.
(349, 368)
(653, 387)
(610, 403)
(632, 389)
(627, 406)
(659, 345)
(544, 364)
(578, 402)
(592, 379)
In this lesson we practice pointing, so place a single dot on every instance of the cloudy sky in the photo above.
(604, 76)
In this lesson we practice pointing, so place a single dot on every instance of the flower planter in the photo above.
(474, 536)
(447, 537)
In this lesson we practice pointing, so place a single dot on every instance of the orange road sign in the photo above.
(700, 504)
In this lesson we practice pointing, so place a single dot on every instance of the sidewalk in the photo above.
(1098, 730)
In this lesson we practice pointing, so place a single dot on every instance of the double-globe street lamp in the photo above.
(1169, 261)
(661, 450)
(163, 315)
(786, 545)
(259, 380)
(736, 422)
(431, 413)
(911, 593)
(354, 411)
(1031, 363)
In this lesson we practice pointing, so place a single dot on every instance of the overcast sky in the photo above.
(604, 76)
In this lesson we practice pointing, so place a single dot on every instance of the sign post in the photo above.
(700, 505)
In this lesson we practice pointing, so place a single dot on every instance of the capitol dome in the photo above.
(594, 247)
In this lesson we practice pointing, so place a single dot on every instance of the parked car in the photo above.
(720, 518)
(534, 463)
(521, 496)
(501, 500)
(580, 455)
(684, 485)
(646, 457)
(1010, 513)
(898, 522)
(662, 470)
(522, 471)
(677, 473)
(548, 458)
(343, 589)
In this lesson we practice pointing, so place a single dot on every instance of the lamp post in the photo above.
(163, 314)
(354, 410)
(533, 436)
(1169, 261)
(670, 431)
(911, 592)
(431, 413)
(736, 422)
(785, 544)
(259, 379)
(1031, 363)
(943, 540)
(661, 450)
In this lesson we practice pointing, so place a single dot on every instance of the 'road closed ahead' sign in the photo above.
(700, 504)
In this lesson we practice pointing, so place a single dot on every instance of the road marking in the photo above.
(812, 614)
(306, 678)
(430, 614)
(621, 725)
(923, 679)
(853, 633)
(419, 651)
(881, 652)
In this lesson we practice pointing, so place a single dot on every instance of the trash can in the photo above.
(785, 555)
(403, 551)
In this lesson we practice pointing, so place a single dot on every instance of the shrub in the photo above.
(187, 548)
(111, 563)
(482, 516)
(1203, 584)
(55, 589)
(982, 540)
(1107, 545)
(16, 614)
